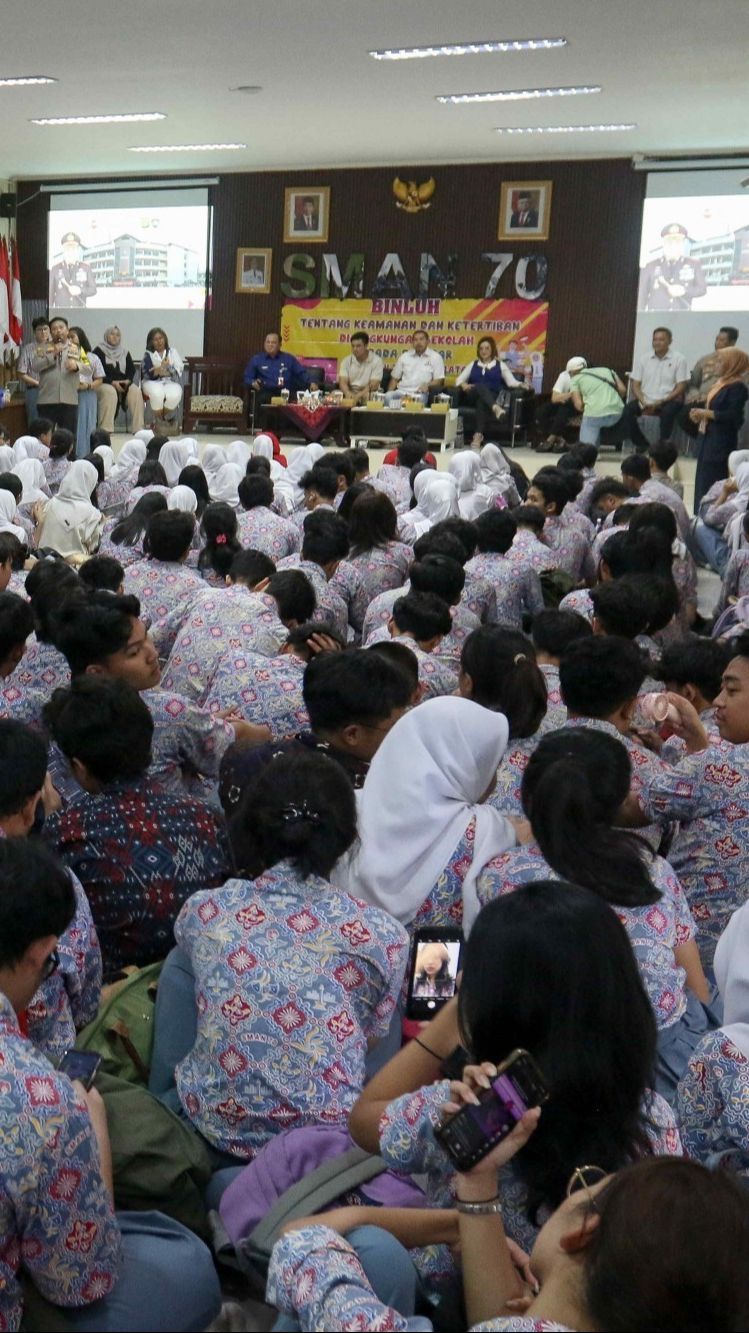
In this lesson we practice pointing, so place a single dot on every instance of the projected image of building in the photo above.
(127, 261)
(716, 255)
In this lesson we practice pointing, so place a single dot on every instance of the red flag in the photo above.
(4, 292)
(16, 304)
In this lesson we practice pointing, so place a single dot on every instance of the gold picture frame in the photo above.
(306, 214)
(524, 222)
(253, 271)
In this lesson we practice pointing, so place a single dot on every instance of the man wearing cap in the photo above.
(556, 415)
(71, 282)
(658, 381)
(673, 280)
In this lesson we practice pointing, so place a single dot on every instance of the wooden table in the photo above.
(311, 425)
(13, 417)
(389, 424)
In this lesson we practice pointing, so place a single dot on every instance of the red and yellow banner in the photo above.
(321, 329)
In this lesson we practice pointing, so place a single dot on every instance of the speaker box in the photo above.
(7, 205)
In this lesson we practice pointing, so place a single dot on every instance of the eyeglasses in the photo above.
(51, 965)
(583, 1178)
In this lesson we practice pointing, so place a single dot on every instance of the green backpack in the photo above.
(122, 1032)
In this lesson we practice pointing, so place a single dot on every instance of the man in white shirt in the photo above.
(555, 416)
(417, 372)
(360, 373)
(659, 382)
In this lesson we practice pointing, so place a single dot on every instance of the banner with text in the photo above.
(321, 330)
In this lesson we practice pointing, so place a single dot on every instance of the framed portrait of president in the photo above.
(306, 213)
(524, 211)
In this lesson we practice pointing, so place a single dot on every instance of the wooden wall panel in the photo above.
(592, 250)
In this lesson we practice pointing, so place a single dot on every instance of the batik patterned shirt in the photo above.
(438, 675)
(57, 1220)
(69, 999)
(259, 529)
(712, 1103)
(516, 590)
(708, 793)
(264, 690)
(735, 579)
(293, 978)
(408, 1145)
(443, 905)
(138, 856)
(214, 623)
(527, 552)
(161, 587)
(22, 703)
(331, 606)
(127, 555)
(375, 571)
(655, 930)
(569, 546)
(42, 668)
(394, 482)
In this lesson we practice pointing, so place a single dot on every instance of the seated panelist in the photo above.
(270, 371)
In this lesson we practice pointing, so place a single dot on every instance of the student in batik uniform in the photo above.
(140, 1271)
(693, 667)
(590, 1029)
(528, 550)
(713, 1096)
(439, 759)
(573, 788)
(517, 589)
(258, 528)
(570, 548)
(464, 616)
(394, 480)
(162, 581)
(122, 537)
(552, 633)
(43, 667)
(380, 562)
(422, 622)
(324, 545)
(707, 793)
(592, 1261)
(294, 978)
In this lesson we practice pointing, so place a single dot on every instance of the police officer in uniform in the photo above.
(71, 282)
(672, 281)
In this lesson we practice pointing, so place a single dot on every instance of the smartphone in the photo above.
(80, 1065)
(471, 1134)
(432, 970)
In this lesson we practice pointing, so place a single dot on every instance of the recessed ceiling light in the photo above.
(189, 148)
(99, 120)
(565, 129)
(517, 94)
(22, 80)
(469, 48)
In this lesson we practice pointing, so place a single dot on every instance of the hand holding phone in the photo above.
(80, 1066)
(491, 1114)
(433, 970)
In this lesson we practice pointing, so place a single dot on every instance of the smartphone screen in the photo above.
(80, 1065)
(435, 963)
(475, 1130)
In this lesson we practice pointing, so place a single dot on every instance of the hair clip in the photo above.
(290, 813)
(519, 657)
(221, 539)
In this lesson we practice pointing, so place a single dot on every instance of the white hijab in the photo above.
(262, 447)
(495, 470)
(71, 523)
(239, 453)
(192, 445)
(473, 497)
(106, 452)
(174, 456)
(214, 457)
(7, 459)
(7, 514)
(226, 484)
(436, 495)
(300, 462)
(732, 974)
(131, 455)
(31, 474)
(734, 529)
(145, 435)
(27, 446)
(422, 791)
(183, 498)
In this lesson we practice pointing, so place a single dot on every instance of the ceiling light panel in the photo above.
(470, 48)
(190, 148)
(517, 94)
(124, 117)
(564, 129)
(24, 80)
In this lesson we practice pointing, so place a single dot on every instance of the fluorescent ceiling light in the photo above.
(565, 129)
(469, 48)
(99, 120)
(189, 148)
(517, 94)
(23, 80)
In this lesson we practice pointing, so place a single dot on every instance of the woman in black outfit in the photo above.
(720, 420)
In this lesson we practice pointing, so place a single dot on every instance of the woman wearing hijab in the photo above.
(27, 446)
(289, 493)
(225, 488)
(712, 1100)
(30, 473)
(184, 499)
(721, 419)
(425, 833)
(473, 497)
(436, 495)
(9, 518)
(174, 456)
(278, 456)
(497, 475)
(214, 457)
(118, 390)
(7, 459)
(262, 447)
(239, 453)
(70, 524)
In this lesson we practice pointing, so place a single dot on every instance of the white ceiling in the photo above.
(676, 67)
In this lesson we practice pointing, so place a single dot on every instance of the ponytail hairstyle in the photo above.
(301, 808)
(505, 677)
(219, 527)
(154, 447)
(572, 789)
(131, 527)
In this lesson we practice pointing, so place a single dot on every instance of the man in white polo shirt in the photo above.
(659, 382)
(418, 371)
